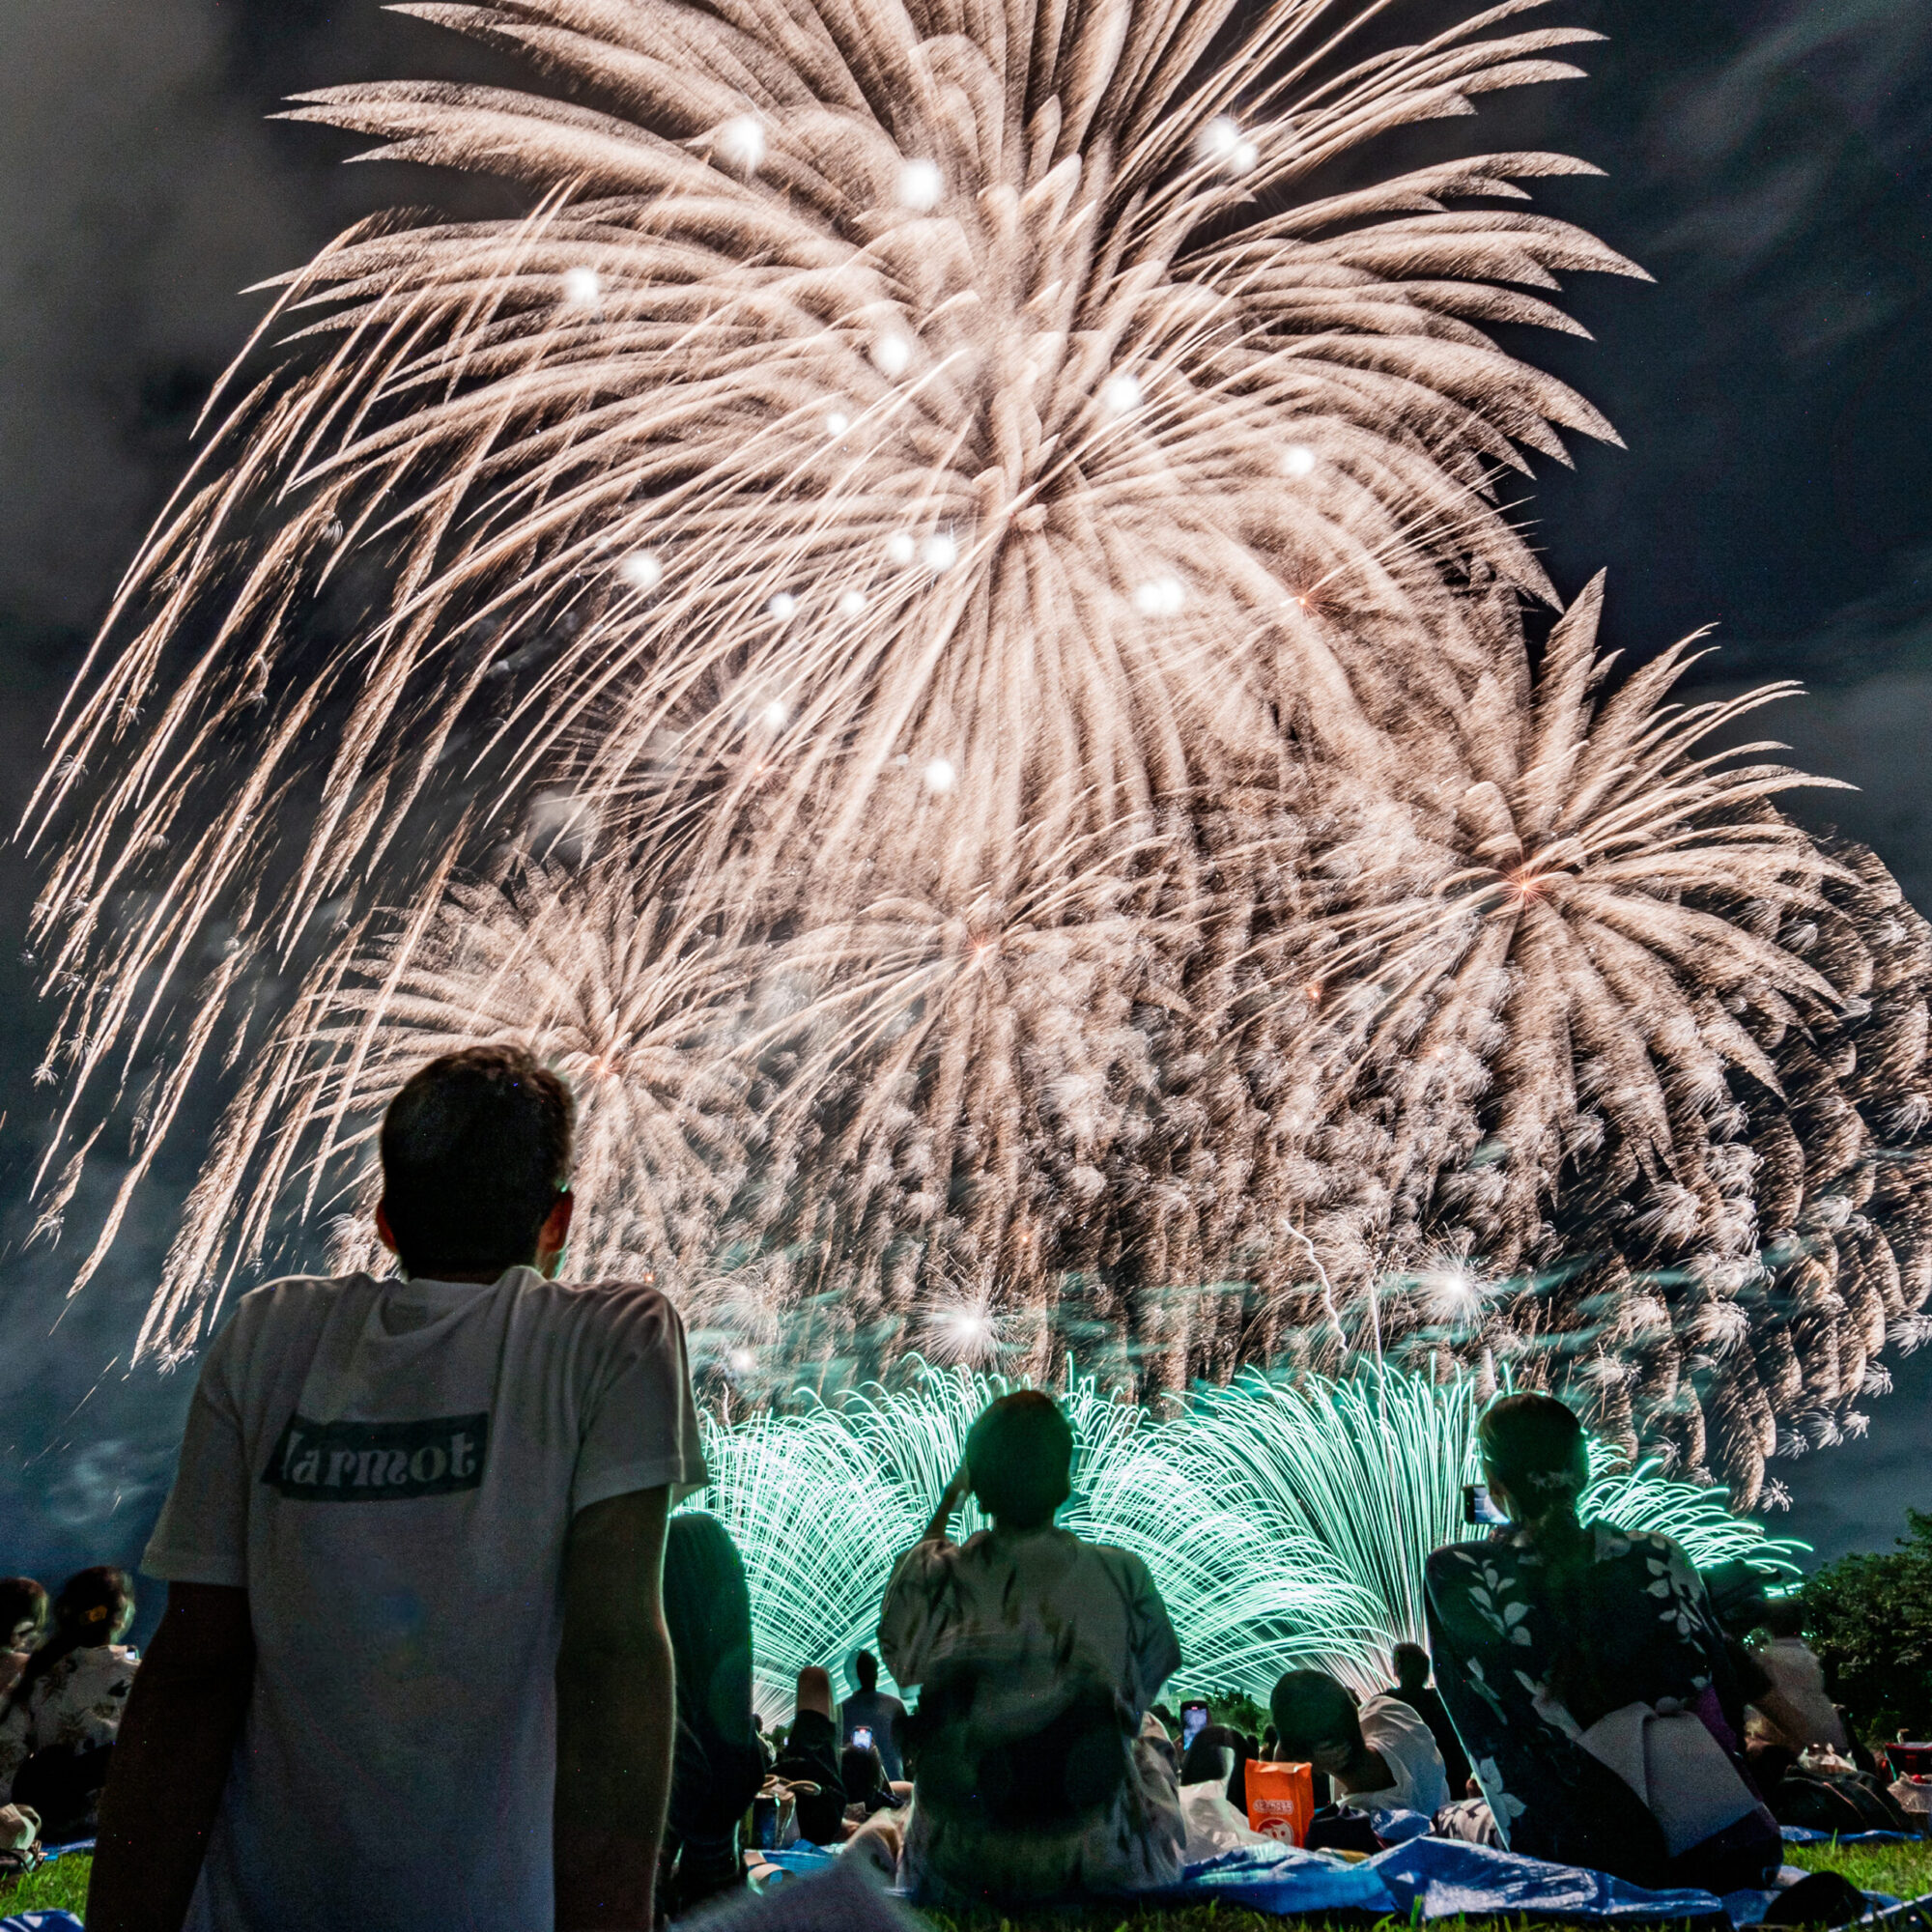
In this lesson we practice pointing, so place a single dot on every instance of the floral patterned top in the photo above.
(75, 1705)
(1523, 1681)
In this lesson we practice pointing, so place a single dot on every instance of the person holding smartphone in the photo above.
(874, 1713)
(1586, 1671)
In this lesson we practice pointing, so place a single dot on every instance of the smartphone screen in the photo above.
(1478, 1508)
(1193, 1721)
(862, 1737)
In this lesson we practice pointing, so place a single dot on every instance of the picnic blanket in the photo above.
(1426, 1877)
(1438, 1878)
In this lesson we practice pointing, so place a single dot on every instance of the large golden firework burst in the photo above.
(935, 623)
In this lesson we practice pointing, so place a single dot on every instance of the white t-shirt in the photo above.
(389, 1469)
(1407, 1747)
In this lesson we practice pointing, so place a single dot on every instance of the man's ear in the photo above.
(384, 1231)
(554, 1233)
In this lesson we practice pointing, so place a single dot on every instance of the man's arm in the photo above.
(614, 1715)
(170, 1761)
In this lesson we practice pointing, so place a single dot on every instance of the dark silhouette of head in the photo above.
(476, 1151)
(1412, 1667)
(1020, 1457)
(1315, 1719)
(1204, 1764)
(863, 1773)
(865, 1671)
(1534, 1456)
(1784, 1616)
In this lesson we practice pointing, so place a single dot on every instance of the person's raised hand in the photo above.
(950, 1498)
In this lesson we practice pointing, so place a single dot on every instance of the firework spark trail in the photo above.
(936, 623)
(1265, 1513)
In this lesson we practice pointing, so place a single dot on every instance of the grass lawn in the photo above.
(1903, 1869)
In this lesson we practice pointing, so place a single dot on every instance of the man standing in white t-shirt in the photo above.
(414, 1669)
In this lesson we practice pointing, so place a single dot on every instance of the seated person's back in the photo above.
(1411, 1687)
(810, 1756)
(1380, 1757)
(1795, 1710)
(1038, 1656)
(1552, 1627)
(419, 1490)
(717, 1764)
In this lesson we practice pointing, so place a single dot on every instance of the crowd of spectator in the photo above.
(588, 1742)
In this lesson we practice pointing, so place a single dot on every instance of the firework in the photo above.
(936, 623)
(1286, 1526)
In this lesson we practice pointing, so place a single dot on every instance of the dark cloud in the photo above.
(1769, 163)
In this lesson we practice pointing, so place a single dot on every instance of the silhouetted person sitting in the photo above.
(717, 1763)
(870, 1709)
(1377, 1757)
(1586, 1673)
(1038, 1657)
(59, 1724)
(862, 1775)
(1411, 1687)
(1219, 1755)
(1794, 1709)
(414, 1669)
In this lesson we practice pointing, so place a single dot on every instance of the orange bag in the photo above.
(1281, 1800)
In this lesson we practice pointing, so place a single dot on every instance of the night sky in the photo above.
(1770, 164)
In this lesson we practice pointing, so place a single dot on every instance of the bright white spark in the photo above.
(939, 551)
(890, 355)
(641, 570)
(921, 185)
(582, 287)
(1223, 144)
(1297, 460)
(941, 774)
(851, 603)
(901, 547)
(783, 607)
(1161, 597)
(837, 423)
(741, 140)
(1120, 394)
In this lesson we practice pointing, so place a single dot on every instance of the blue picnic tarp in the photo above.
(1804, 1835)
(1442, 1878)
(42, 1921)
(1426, 1877)
(1283, 1879)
